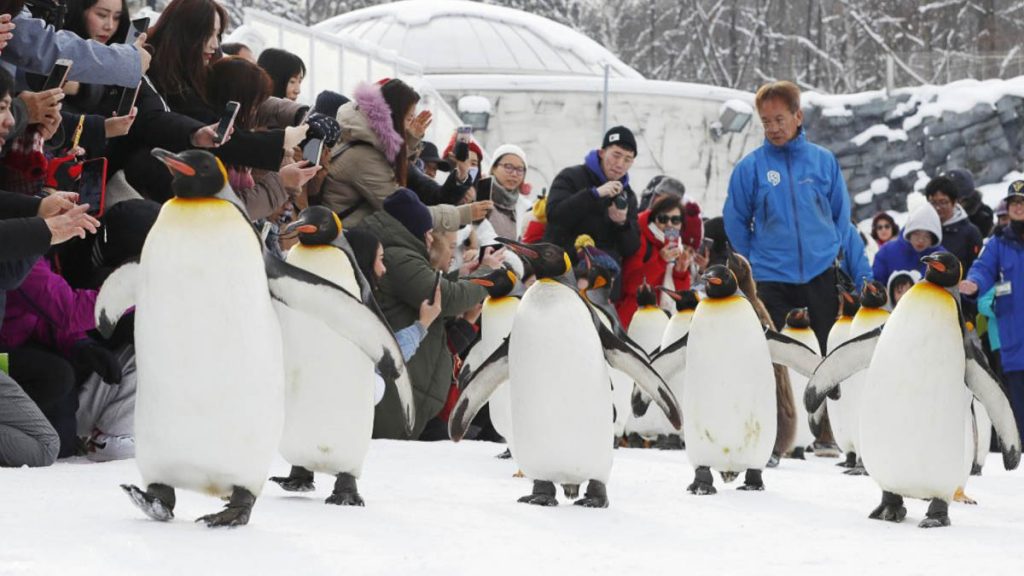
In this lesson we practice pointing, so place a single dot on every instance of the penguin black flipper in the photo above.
(477, 388)
(984, 384)
(791, 353)
(672, 360)
(346, 315)
(116, 296)
(846, 360)
(621, 356)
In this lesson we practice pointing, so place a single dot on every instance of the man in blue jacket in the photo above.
(787, 211)
(1001, 265)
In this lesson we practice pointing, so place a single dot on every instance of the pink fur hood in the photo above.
(371, 105)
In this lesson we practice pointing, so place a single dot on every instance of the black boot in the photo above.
(236, 513)
(937, 515)
(157, 501)
(298, 480)
(891, 509)
(543, 494)
(703, 482)
(596, 496)
(346, 493)
(752, 481)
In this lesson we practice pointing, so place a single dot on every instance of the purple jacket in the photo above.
(44, 309)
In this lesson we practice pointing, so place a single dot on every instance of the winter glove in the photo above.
(90, 356)
(323, 127)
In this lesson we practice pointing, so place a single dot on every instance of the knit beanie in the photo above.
(693, 225)
(328, 102)
(620, 136)
(506, 149)
(126, 226)
(403, 205)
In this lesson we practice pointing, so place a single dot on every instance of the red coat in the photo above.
(647, 263)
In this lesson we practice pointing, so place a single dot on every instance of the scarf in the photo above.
(503, 198)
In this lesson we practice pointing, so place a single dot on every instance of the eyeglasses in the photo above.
(664, 219)
(513, 169)
(940, 203)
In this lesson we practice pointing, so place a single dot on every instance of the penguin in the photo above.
(845, 412)
(646, 328)
(678, 326)
(210, 404)
(330, 381)
(730, 405)
(496, 317)
(915, 413)
(798, 327)
(821, 421)
(555, 360)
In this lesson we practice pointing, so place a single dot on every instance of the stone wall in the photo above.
(890, 145)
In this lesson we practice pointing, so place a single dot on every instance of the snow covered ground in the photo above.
(442, 508)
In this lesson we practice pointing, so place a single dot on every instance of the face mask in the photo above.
(472, 173)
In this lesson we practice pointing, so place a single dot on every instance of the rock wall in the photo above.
(890, 145)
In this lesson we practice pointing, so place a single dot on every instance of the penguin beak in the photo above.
(520, 249)
(482, 282)
(671, 293)
(300, 226)
(173, 162)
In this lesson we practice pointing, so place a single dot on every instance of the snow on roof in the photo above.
(451, 37)
(879, 131)
(492, 82)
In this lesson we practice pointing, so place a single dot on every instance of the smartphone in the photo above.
(58, 75)
(137, 28)
(312, 150)
(92, 185)
(127, 102)
(705, 246)
(463, 135)
(433, 289)
(227, 120)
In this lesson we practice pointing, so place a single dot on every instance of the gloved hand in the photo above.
(323, 127)
(89, 355)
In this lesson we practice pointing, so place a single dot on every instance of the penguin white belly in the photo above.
(647, 329)
(798, 382)
(729, 410)
(912, 428)
(328, 262)
(497, 319)
(850, 403)
(839, 334)
(209, 407)
(328, 398)
(678, 326)
(561, 401)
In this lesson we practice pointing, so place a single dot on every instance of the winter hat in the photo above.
(448, 218)
(669, 186)
(620, 136)
(924, 218)
(403, 205)
(126, 225)
(328, 102)
(693, 225)
(1002, 209)
(585, 245)
(963, 180)
(473, 147)
(506, 149)
(429, 154)
(324, 127)
(364, 247)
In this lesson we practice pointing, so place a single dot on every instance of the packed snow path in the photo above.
(442, 508)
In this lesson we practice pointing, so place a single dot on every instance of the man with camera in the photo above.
(594, 198)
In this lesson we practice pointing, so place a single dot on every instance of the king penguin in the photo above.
(496, 317)
(821, 421)
(678, 326)
(914, 428)
(845, 413)
(798, 327)
(330, 381)
(555, 360)
(210, 403)
(646, 328)
(730, 406)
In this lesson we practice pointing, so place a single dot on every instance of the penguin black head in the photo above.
(798, 318)
(943, 269)
(645, 296)
(547, 260)
(873, 295)
(848, 304)
(499, 283)
(720, 281)
(685, 299)
(316, 226)
(197, 173)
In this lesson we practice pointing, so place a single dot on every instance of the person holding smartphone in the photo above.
(670, 235)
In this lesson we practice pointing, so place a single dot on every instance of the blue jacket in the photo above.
(1002, 260)
(855, 260)
(785, 210)
(899, 254)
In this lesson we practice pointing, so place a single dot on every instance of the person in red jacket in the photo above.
(670, 232)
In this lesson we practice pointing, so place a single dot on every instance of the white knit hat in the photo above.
(509, 149)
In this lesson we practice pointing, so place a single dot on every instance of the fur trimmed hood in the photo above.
(368, 118)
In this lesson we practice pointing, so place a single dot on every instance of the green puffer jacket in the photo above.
(407, 283)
